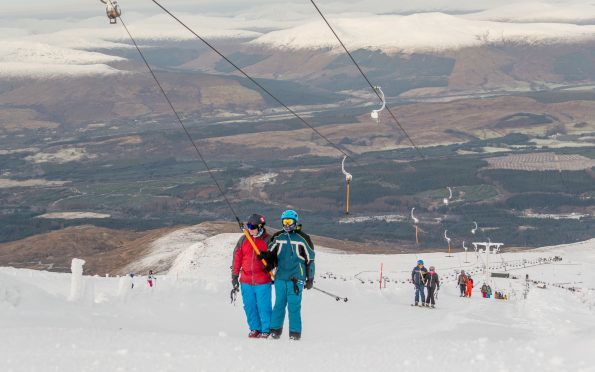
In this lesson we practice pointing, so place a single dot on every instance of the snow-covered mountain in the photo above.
(186, 323)
(423, 32)
(424, 27)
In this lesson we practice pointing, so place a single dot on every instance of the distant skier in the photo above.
(486, 291)
(131, 280)
(255, 281)
(433, 284)
(462, 280)
(292, 252)
(469, 287)
(418, 278)
(151, 278)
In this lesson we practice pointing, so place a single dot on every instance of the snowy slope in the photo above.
(186, 323)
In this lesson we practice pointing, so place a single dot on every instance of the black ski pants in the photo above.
(430, 296)
(463, 288)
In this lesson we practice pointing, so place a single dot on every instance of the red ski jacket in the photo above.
(246, 262)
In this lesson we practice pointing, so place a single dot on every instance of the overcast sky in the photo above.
(44, 8)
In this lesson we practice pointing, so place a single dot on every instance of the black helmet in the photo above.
(255, 221)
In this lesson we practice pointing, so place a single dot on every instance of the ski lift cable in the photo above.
(367, 80)
(181, 123)
(255, 82)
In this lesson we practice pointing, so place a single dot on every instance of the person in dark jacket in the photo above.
(462, 281)
(249, 273)
(433, 285)
(292, 253)
(418, 278)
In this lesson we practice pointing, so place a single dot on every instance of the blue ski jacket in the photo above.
(418, 275)
(295, 256)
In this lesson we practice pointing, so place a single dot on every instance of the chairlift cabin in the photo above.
(112, 10)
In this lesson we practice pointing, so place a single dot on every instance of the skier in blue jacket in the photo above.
(291, 251)
(418, 278)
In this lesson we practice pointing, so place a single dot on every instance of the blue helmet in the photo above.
(290, 214)
(289, 220)
(420, 262)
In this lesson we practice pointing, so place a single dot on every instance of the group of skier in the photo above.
(465, 283)
(423, 278)
(284, 260)
(151, 279)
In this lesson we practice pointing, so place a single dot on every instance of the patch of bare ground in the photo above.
(541, 162)
(15, 120)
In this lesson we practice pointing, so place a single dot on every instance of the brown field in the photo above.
(541, 162)
(426, 123)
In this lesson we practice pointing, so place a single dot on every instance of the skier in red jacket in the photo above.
(248, 274)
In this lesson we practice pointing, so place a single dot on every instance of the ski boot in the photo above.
(264, 335)
(254, 334)
(276, 333)
(295, 336)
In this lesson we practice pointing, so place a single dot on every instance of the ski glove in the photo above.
(309, 283)
(270, 258)
(235, 282)
(264, 255)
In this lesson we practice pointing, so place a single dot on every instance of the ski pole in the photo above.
(234, 294)
(338, 298)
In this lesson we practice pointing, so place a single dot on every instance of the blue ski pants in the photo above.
(419, 292)
(257, 305)
(285, 296)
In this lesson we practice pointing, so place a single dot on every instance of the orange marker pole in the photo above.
(347, 197)
(416, 235)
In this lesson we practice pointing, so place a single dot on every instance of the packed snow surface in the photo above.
(187, 323)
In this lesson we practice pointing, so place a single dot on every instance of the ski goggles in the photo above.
(288, 221)
(252, 227)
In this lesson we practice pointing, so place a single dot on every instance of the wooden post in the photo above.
(416, 235)
(347, 197)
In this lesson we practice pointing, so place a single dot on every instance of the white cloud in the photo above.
(538, 12)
